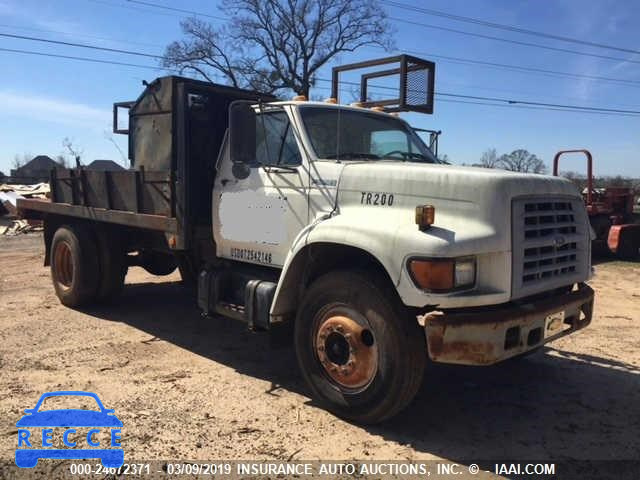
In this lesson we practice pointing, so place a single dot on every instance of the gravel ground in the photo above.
(206, 389)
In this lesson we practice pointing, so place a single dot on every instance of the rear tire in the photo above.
(188, 273)
(360, 351)
(113, 265)
(74, 265)
(157, 263)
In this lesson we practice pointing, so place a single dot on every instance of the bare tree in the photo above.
(489, 159)
(578, 179)
(203, 51)
(272, 45)
(62, 160)
(522, 161)
(20, 161)
(109, 137)
(75, 152)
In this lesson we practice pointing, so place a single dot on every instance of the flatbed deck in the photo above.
(34, 208)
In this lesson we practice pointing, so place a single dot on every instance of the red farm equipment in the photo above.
(610, 212)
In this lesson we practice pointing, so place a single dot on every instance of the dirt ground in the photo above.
(203, 389)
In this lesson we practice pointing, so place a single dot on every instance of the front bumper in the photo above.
(483, 336)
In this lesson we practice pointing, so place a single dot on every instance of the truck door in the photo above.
(257, 218)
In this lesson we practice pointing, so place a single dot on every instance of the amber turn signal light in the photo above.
(425, 216)
(433, 275)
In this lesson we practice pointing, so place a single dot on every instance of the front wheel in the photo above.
(359, 350)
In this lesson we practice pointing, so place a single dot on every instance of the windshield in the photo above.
(346, 134)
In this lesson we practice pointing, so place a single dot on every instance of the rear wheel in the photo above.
(358, 348)
(188, 273)
(113, 264)
(74, 265)
(157, 263)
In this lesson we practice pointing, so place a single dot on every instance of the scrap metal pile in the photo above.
(10, 224)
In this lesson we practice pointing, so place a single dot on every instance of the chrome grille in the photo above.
(550, 244)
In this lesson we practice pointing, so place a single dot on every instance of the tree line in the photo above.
(580, 180)
(519, 160)
(522, 161)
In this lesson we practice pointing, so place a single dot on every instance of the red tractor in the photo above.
(610, 212)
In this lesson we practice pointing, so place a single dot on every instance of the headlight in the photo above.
(441, 275)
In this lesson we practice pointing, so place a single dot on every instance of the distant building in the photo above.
(37, 170)
(2, 176)
(104, 165)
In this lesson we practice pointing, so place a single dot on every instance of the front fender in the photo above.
(391, 240)
(327, 231)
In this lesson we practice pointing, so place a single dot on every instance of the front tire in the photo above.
(74, 265)
(358, 348)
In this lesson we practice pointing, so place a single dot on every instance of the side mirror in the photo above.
(242, 137)
(240, 170)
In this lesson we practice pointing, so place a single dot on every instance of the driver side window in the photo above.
(275, 141)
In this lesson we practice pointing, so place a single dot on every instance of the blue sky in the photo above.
(43, 100)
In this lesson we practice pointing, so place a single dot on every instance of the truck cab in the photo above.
(496, 271)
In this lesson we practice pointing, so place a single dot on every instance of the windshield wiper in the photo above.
(371, 156)
(279, 168)
(407, 155)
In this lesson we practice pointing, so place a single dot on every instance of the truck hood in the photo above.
(472, 205)
(479, 213)
(448, 182)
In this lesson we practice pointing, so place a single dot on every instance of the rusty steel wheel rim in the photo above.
(63, 265)
(346, 349)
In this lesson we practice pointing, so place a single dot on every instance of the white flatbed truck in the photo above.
(335, 222)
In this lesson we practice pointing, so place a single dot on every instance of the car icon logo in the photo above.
(31, 448)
